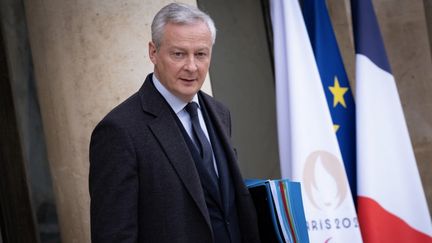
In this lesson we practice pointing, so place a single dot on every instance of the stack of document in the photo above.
(280, 210)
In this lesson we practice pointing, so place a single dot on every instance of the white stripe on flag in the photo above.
(387, 170)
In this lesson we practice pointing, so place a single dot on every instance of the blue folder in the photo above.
(291, 221)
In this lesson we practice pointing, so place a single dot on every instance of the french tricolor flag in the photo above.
(391, 202)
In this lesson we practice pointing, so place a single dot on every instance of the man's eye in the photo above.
(201, 54)
(178, 54)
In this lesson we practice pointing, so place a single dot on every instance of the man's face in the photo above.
(183, 59)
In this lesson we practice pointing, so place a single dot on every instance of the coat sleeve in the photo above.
(113, 185)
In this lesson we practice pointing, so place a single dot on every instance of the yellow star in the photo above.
(338, 93)
(335, 127)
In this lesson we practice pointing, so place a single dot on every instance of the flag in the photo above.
(308, 148)
(335, 82)
(391, 202)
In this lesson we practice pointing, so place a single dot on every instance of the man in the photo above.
(162, 168)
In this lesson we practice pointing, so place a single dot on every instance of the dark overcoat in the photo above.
(144, 186)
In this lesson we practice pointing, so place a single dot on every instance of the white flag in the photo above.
(308, 148)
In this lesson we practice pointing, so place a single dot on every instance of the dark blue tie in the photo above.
(202, 142)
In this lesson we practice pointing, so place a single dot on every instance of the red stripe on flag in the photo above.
(380, 226)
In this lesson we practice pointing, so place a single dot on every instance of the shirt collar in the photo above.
(176, 103)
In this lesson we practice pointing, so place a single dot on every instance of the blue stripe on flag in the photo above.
(339, 96)
(371, 44)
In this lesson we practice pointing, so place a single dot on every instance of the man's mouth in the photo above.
(188, 79)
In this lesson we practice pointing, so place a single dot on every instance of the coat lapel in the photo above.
(220, 125)
(168, 134)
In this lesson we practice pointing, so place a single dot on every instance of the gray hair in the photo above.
(179, 13)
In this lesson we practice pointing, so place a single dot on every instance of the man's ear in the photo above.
(152, 52)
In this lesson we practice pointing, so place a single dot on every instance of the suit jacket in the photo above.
(143, 183)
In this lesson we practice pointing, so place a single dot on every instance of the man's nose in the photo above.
(191, 64)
